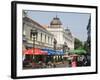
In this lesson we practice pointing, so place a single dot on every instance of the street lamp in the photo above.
(34, 35)
(55, 44)
(65, 47)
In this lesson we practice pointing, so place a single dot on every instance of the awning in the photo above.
(49, 51)
(59, 52)
(35, 51)
(53, 52)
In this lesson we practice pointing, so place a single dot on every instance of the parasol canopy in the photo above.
(53, 52)
(35, 51)
(49, 51)
(78, 51)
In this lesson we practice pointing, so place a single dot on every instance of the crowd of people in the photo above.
(76, 61)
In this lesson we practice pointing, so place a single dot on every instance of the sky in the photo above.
(76, 22)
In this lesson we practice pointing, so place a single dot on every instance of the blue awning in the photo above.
(53, 52)
(59, 52)
(50, 51)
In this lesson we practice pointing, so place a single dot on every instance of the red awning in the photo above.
(35, 51)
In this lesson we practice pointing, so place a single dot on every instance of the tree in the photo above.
(86, 47)
(78, 44)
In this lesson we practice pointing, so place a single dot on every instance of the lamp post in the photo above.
(65, 47)
(34, 34)
(55, 44)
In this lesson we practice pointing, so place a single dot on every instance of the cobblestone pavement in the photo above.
(65, 64)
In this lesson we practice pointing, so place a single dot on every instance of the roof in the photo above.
(32, 21)
(56, 21)
(45, 26)
(68, 31)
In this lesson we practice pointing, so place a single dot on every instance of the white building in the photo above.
(43, 39)
(45, 36)
(63, 36)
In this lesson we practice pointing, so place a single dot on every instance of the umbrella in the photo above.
(78, 51)
(59, 52)
(49, 51)
(53, 52)
(73, 55)
(34, 51)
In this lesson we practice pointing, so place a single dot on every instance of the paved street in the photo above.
(57, 65)
(62, 65)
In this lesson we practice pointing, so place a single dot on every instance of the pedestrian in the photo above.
(73, 63)
(54, 64)
(49, 64)
(85, 61)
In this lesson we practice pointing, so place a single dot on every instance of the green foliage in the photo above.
(78, 44)
(85, 46)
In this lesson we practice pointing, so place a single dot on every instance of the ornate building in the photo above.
(63, 36)
(43, 38)
(54, 36)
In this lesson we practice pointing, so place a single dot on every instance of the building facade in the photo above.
(43, 38)
(54, 36)
(63, 36)
(46, 36)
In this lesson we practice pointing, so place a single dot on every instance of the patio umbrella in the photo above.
(49, 51)
(59, 52)
(78, 51)
(73, 55)
(53, 52)
(34, 51)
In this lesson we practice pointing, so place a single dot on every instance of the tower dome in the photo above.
(68, 31)
(56, 21)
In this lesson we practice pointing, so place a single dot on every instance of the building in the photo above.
(63, 36)
(89, 35)
(46, 35)
(43, 38)
(54, 36)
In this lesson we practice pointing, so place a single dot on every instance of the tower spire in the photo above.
(56, 14)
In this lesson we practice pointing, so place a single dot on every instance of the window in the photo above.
(45, 38)
(48, 39)
(37, 37)
(41, 37)
(24, 29)
(31, 34)
(51, 40)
